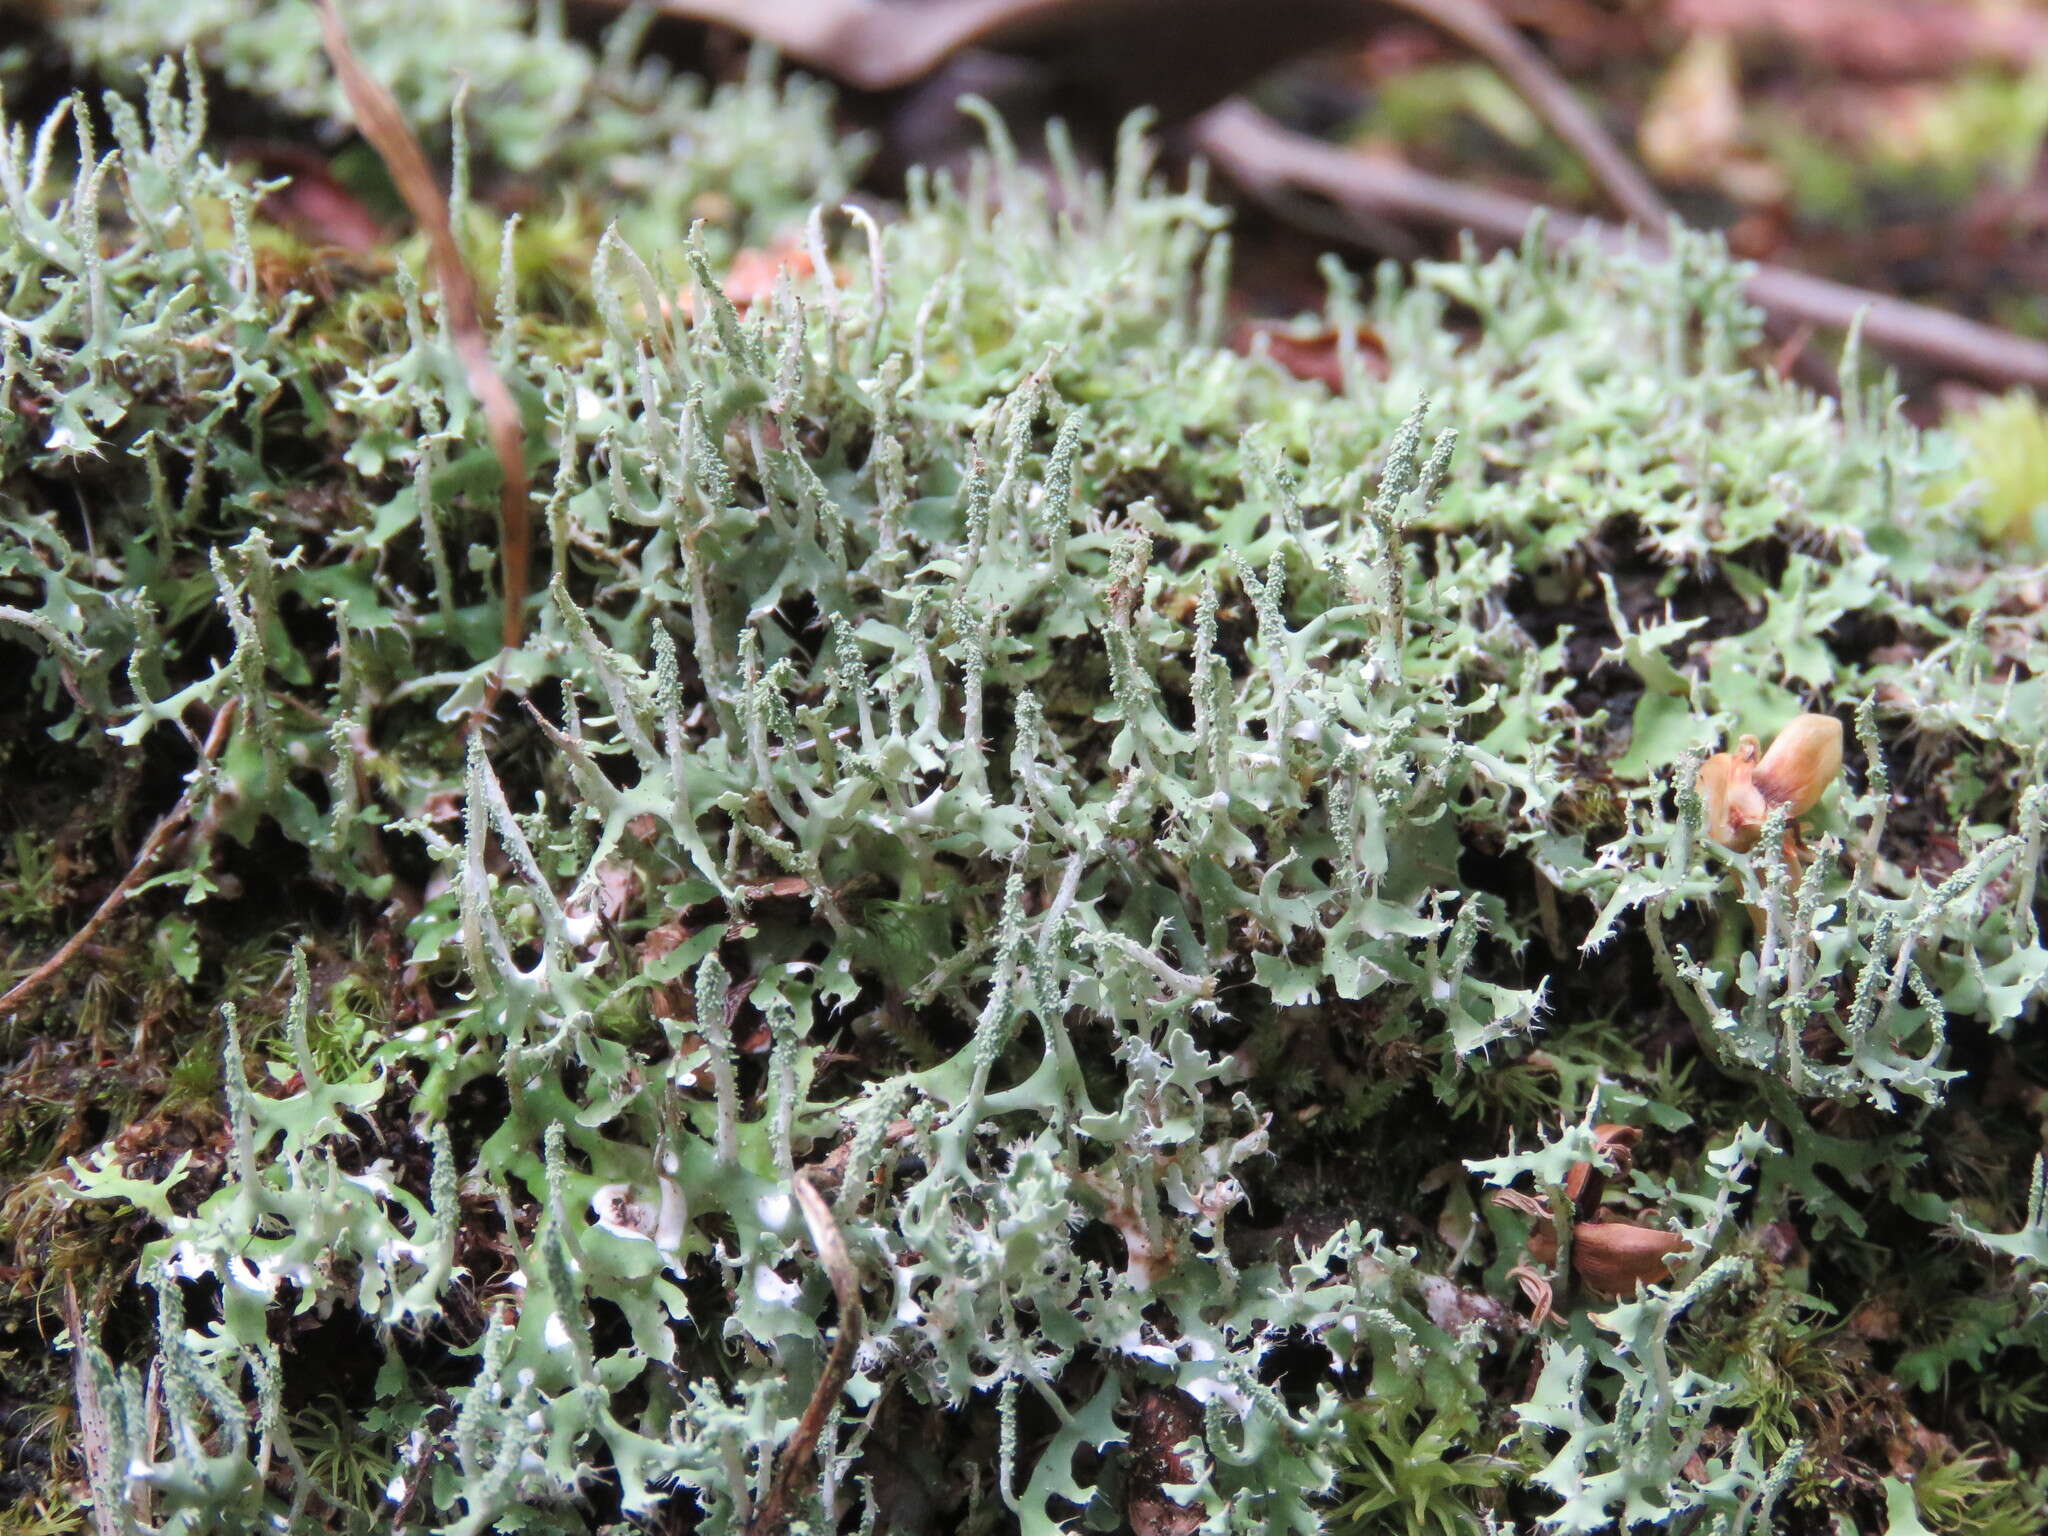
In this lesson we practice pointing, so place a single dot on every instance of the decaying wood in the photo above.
(1264, 158)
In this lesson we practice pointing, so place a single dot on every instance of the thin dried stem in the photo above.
(94, 1435)
(152, 848)
(382, 123)
(801, 1454)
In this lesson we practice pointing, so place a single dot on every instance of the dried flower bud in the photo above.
(1740, 793)
(1802, 762)
(1614, 1257)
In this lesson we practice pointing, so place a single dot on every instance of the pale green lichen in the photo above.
(992, 727)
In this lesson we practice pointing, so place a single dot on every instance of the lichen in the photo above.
(1046, 777)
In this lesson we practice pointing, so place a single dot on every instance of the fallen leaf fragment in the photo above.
(1165, 1420)
(1693, 122)
(1886, 38)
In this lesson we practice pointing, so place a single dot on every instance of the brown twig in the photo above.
(1479, 27)
(152, 847)
(94, 1436)
(800, 1455)
(383, 124)
(880, 46)
(1265, 158)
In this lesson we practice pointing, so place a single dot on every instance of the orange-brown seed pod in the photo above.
(1802, 762)
(1739, 792)
(1735, 807)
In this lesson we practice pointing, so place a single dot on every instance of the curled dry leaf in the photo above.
(1537, 1289)
(1610, 1258)
(1740, 792)
(1541, 1245)
(1515, 1200)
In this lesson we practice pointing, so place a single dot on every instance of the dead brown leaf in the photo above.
(1876, 1320)
(1694, 117)
(313, 205)
(1317, 354)
(1694, 128)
